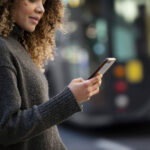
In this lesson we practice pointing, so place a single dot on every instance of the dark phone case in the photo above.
(101, 65)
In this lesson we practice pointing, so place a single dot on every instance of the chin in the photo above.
(31, 29)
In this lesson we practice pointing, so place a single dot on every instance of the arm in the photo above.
(17, 125)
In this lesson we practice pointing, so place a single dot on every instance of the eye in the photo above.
(32, 1)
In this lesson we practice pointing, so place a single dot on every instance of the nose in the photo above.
(40, 8)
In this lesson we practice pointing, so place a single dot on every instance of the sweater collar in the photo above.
(17, 32)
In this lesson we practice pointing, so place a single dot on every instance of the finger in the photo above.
(78, 80)
(92, 84)
(95, 86)
(100, 82)
(97, 81)
(93, 80)
(96, 91)
(99, 75)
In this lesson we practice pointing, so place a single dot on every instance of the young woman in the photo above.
(28, 117)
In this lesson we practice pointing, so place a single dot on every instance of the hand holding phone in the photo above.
(107, 63)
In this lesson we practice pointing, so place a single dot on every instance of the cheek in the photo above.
(24, 11)
(25, 3)
(25, 6)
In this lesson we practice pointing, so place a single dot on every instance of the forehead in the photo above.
(34, 0)
(28, 1)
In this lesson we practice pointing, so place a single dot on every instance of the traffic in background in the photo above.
(96, 29)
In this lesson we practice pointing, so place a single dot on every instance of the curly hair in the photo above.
(40, 43)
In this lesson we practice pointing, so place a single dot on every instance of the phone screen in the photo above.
(105, 67)
(107, 63)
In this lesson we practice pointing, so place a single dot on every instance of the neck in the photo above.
(17, 32)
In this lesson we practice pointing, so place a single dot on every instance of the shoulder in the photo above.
(3, 45)
(6, 57)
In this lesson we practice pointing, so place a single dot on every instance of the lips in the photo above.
(35, 19)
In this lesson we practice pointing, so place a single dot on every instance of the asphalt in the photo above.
(120, 137)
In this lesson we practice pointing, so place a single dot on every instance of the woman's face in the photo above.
(28, 13)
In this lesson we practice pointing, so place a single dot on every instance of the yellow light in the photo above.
(134, 71)
(74, 3)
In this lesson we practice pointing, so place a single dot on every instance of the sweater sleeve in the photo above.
(17, 125)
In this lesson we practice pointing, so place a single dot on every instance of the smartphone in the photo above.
(107, 63)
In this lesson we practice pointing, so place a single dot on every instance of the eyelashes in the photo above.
(32, 1)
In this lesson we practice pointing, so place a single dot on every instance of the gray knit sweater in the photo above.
(28, 118)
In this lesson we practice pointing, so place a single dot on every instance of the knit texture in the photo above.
(28, 117)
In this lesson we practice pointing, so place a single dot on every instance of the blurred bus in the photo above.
(109, 28)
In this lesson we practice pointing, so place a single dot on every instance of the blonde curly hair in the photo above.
(40, 43)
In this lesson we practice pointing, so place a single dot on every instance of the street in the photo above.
(125, 137)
